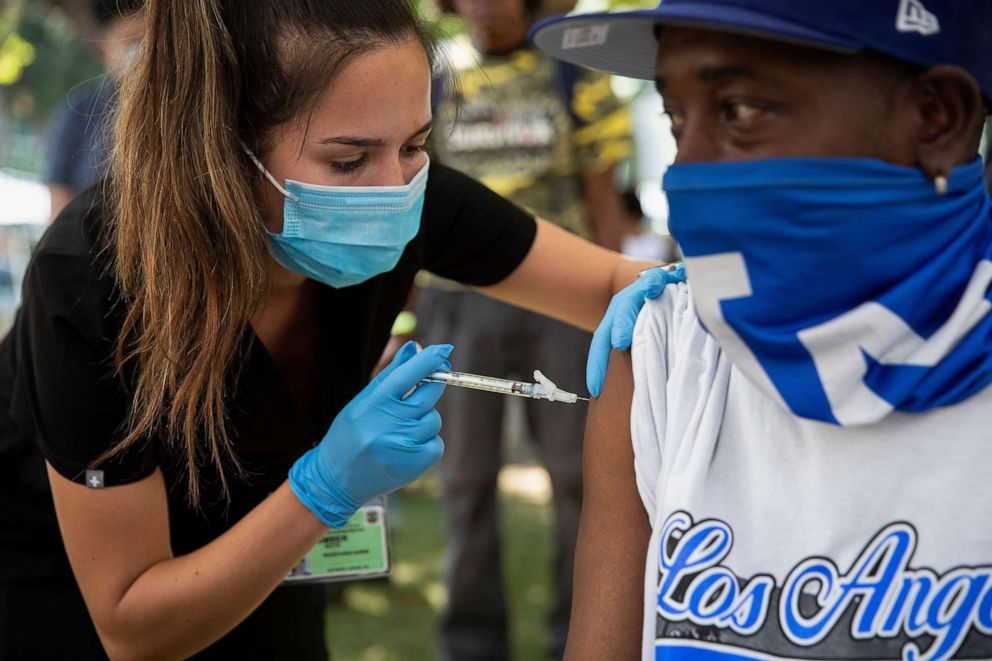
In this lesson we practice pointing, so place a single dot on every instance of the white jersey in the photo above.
(779, 537)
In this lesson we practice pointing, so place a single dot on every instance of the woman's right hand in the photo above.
(379, 442)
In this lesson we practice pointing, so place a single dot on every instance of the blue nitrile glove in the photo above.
(379, 442)
(616, 330)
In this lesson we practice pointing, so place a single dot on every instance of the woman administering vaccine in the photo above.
(186, 398)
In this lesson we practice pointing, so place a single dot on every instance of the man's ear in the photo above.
(952, 115)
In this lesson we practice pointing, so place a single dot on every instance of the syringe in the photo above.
(544, 388)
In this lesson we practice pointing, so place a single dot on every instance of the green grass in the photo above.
(397, 619)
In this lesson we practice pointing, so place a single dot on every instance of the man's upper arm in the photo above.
(613, 532)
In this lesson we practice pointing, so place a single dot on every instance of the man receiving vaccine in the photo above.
(805, 471)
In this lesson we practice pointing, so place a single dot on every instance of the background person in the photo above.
(548, 137)
(639, 241)
(203, 326)
(79, 138)
(806, 476)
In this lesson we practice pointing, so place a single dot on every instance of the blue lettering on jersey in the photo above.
(891, 597)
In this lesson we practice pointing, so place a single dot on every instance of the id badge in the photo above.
(358, 550)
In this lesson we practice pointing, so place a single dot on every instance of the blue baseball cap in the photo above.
(922, 32)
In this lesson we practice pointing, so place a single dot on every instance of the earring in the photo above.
(940, 184)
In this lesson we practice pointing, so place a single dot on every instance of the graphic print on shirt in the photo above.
(509, 128)
(879, 606)
(529, 129)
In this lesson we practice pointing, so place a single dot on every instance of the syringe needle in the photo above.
(543, 389)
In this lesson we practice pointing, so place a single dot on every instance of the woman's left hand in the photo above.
(616, 330)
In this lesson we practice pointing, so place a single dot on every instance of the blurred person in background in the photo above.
(79, 140)
(639, 240)
(548, 137)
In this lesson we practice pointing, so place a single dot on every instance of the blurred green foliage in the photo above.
(397, 619)
(15, 54)
(41, 59)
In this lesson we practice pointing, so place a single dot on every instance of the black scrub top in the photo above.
(60, 401)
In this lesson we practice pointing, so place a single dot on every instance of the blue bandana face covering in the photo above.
(844, 288)
(344, 235)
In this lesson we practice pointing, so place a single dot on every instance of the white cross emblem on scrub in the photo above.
(94, 479)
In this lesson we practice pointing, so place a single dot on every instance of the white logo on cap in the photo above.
(584, 36)
(914, 17)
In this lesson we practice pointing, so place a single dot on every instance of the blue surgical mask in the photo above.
(345, 235)
(844, 288)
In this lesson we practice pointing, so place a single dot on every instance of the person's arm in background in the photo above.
(608, 599)
(604, 207)
(78, 141)
(60, 196)
(601, 140)
(64, 135)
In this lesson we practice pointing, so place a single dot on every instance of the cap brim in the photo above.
(625, 43)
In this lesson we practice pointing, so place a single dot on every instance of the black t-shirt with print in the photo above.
(60, 400)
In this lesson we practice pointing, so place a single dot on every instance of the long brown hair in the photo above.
(186, 233)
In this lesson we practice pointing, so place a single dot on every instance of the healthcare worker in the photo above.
(185, 396)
